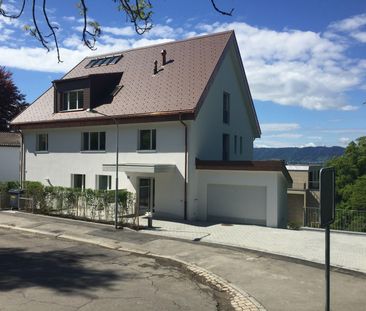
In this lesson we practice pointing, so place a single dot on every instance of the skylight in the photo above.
(103, 61)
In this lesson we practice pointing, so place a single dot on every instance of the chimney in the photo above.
(163, 54)
(155, 67)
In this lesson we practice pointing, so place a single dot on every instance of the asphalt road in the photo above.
(40, 273)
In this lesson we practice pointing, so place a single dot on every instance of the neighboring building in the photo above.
(304, 191)
(9, 156)
(186, 129)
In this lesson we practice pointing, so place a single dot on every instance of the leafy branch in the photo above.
(138, 12)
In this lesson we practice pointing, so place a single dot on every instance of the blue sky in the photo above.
(305, 60)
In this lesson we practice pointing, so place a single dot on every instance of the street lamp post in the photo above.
(117, 151)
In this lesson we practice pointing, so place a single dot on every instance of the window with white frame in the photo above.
(147, 140)
(78, 181)
(42, 142)
(93, 141)
(104, 182)
(73, 100)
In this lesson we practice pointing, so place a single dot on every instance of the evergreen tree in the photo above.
(11, 100)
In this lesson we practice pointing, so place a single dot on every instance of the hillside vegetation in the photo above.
(298, 155)
(351, 176)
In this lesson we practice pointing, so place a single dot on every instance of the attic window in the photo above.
(109, 60)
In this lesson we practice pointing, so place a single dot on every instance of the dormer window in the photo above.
(73, 100)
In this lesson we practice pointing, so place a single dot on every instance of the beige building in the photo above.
(304, 191)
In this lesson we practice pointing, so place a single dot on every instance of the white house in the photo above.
(9, 156)
(186, 126)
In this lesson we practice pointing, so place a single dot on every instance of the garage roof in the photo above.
(265, 166)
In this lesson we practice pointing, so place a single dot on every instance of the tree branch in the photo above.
(86, 33)
(220, 11)
(52, 28)
(3, 13)
(36, 32)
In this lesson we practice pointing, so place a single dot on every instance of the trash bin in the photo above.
(14, 198)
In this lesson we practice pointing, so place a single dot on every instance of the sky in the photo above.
(305, 61)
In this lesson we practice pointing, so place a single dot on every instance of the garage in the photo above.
(245, 192)
(236, 204)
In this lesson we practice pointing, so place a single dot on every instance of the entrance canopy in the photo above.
(139, 168)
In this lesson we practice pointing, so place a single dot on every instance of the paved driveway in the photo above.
(347, 250)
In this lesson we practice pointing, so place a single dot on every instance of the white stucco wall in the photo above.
(9, 163)
(208, 128)
(65, 158)
(268, 180)
(205, 133)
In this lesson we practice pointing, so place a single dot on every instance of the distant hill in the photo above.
(298, 155)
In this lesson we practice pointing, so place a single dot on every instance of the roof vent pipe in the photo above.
(163, 54)
(155, 67)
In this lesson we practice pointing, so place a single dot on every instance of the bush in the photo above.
(73, 202)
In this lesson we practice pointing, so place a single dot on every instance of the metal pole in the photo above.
(116, 192)
(327, 268)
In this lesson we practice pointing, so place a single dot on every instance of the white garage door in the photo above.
(237, 204)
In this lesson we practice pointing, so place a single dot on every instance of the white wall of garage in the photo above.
(250, 205)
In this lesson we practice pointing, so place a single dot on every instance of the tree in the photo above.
(138, 12)
(351, 176)
(11, 100)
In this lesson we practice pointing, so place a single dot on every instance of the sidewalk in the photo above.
(348, 250)
(277, 284)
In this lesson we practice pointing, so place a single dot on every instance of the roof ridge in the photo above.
(161, 44)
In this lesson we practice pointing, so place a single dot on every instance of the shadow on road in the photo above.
(59, 270)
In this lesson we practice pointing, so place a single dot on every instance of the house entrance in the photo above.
(146, 195)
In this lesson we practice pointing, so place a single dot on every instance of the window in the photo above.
(147, 140)
(104, 182)
(73, 100)
(241, 145)
(42, 142)
(226, 108)
(225, 147)
(235, 144)
(93, 141)
(78, 181)
(109, 60)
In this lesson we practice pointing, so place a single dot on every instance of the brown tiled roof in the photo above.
(268, 166)
(178, 88)
(9, 139)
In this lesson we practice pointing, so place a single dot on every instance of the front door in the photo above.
(146, 194)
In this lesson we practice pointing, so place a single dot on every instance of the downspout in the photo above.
(185, 163)
(21, 160)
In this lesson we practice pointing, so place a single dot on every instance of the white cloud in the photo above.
(344, 141)
(348, 24)
(360, 36)
(69, 18)
(297, 68)
(169, 20)
(351, 26)
(119, 31)
(311, 144)
(279, 127)
(285, 135)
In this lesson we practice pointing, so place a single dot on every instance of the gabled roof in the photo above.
(9, 139)
(176, 91)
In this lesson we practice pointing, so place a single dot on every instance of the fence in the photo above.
(347, 220)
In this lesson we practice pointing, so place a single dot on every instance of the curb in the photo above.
(239, 299)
